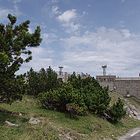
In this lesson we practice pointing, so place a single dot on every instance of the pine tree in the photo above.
(15, 41)
(117, 111)
(52, 81)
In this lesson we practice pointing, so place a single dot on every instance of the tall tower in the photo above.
(104, 69)
(60, 70)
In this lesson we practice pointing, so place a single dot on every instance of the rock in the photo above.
(34, 120)
(67, 136)
(20, 114)
(11, 124)
(132, 111)
(128, 95)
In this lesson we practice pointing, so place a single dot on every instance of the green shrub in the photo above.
(87, 98)
(96, 98)
(74, 110)
(117, 111)
(80, 94)
(58, 99)
(50, 99)
(42, 81)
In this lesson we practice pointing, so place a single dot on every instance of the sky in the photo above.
(82, 35)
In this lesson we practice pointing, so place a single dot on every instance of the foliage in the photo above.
(55, 123)
(117, 111)
(81, 95)
(14, 43)
(95, 97)
(78, 82)
(97, 100)
(52, 81)
(77, 97)
(33, 83)
(41, 81)
(12, 89)
(74, 110)
(62, 97)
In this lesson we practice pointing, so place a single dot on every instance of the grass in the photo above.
(114, 97)
(134, 101)
(55, 125)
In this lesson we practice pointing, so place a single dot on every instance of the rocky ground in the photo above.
(132, 111)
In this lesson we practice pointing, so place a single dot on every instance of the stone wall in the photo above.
(124, 86)
(128, 87)
(107, 81)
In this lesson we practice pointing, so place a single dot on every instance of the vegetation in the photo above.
(135, 101)
(55, 125)
(14, 43)
(81, 98)
(82, 95)
(78, 96)
(116, 112)
(41, 81)
(62, 98)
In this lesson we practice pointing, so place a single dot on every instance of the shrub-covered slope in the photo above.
(55, 125)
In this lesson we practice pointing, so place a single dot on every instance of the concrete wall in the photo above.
(124, 86)
(110, 85)
(128, 87)
(106, 81)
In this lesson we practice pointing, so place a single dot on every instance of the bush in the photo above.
(74, 110)
(81, 95)
(95, 97)
(42, 81)
(15, 85)
(89, 97)
(49, 100)
(117, 111)
(62, 97)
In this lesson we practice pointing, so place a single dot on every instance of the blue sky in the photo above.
(82, 35)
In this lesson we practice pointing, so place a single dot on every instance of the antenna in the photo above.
(104, 69)
(60, 70)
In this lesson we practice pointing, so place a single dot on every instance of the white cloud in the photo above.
(122, 24)
(116, 48)
(84, 13)
(5, 12)
(69, 20)
(126, 33)
(67, 16)
(55, 10)
(72, 27)
(42, 58)
(49, 38)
